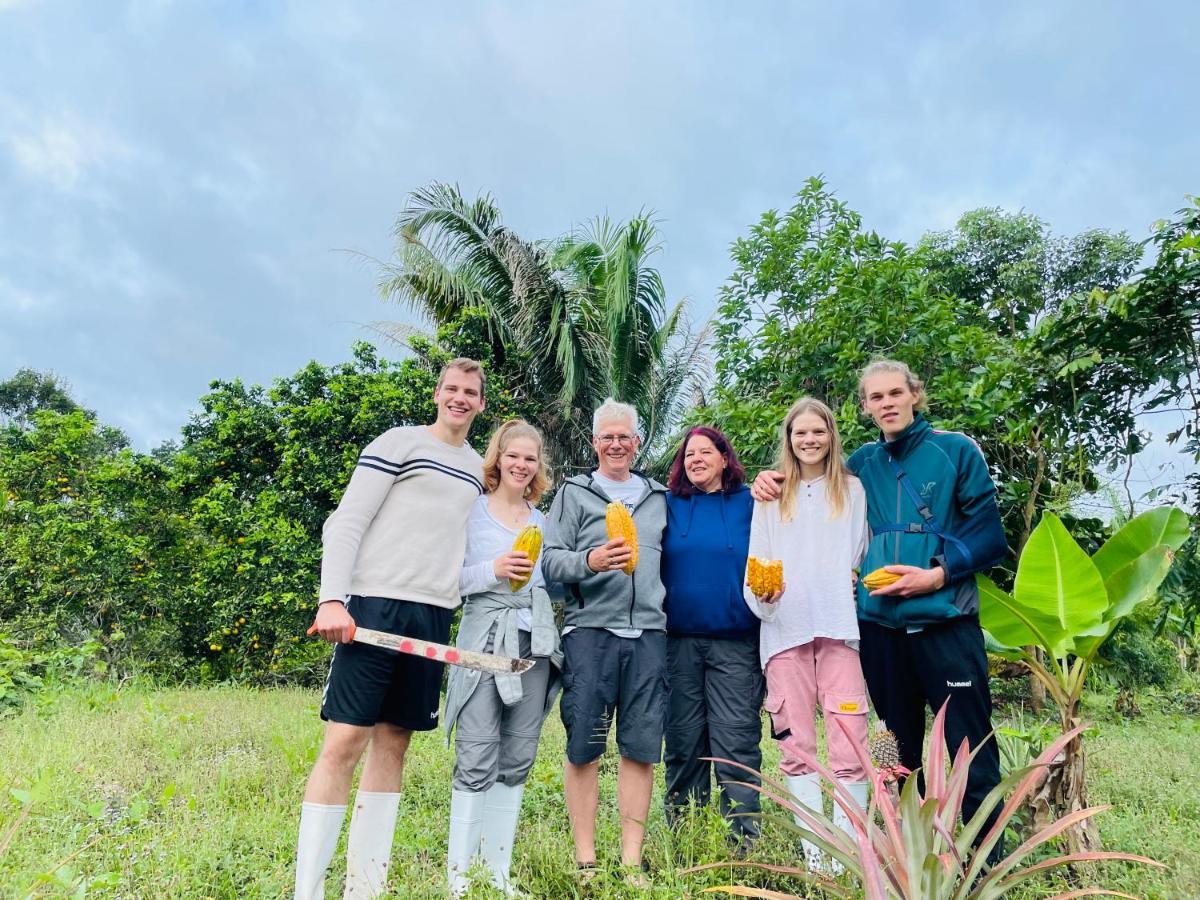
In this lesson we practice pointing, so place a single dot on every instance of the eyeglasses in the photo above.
(607, 440)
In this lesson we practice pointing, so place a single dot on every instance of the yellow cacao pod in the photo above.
(529, 540)
(621, 525)
(764, 576)
(879, 578)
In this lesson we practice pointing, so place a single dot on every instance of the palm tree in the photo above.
(571, 321)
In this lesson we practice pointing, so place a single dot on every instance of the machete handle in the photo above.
(312, 629)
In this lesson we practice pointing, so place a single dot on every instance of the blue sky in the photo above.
(176, 179)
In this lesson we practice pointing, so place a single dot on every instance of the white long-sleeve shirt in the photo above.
(819, 554)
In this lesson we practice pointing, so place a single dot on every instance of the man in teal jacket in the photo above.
(931, 505)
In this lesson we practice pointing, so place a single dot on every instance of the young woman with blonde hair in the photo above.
(497, 720)
(808, 642)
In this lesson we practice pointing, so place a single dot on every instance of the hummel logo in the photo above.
(956, 684)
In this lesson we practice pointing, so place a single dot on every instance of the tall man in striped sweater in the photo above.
(392, 554)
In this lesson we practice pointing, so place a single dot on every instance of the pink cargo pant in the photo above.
(826, 670)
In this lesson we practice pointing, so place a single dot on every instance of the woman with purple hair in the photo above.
(716, 682)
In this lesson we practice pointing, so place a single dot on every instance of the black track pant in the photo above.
(905, 672)
(715, 691)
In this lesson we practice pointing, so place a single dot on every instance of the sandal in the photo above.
(637, 876)
(586, 871)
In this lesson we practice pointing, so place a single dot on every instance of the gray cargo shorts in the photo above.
(606, 676)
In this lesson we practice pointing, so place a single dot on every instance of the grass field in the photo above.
(135, 792)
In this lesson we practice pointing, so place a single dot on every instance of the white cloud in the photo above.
(61, 149)
(15, 299)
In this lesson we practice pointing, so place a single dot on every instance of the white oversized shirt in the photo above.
(819, 554)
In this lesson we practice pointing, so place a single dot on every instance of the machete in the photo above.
(468, 659)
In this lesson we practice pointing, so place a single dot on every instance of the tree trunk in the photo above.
(1064, 791)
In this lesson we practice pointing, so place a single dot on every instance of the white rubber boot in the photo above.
(500, 815)
(807, 791)
(858, 790)
(369, 847)
(466, 822)
(320, 825)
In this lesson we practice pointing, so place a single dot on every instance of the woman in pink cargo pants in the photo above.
(808, 642)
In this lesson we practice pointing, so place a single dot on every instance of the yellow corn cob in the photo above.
(621, 525)
(529, 540)
(879, 578)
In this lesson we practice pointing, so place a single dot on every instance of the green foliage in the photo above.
(568, 322)
(29, 391)
(88, 538)
(1068, 603)
(194, 793)
(203, 560)
(260, 469)
(1028, 342)
(1135, 657)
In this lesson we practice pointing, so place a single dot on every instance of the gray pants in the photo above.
(497, 743)
(716, 689)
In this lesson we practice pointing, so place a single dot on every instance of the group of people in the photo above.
(677, 649)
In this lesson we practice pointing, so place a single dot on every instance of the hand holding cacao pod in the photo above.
(621, 525)
(881, 577)
(529, 542)
(764, 576)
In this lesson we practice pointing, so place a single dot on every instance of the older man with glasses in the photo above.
(614, 642)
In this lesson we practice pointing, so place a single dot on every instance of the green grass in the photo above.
(134, 792)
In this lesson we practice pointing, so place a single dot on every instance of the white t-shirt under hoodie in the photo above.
(819, 554)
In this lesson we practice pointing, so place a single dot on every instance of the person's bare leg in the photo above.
(635, 782)
(384, 767)
(581, 784)
(333, 771)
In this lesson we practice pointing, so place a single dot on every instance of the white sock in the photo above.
(807, 791)
(320, 825)
(466, 821)
(369, 848)
(858, 790)
(500, 814)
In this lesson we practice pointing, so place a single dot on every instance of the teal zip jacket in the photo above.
(947, 471)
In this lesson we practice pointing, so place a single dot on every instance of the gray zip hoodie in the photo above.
(575, 526)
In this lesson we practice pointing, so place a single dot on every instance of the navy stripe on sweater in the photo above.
(397, 469)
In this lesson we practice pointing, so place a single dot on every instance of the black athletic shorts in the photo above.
(368, 684)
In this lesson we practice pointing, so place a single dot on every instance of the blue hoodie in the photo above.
(704, 554)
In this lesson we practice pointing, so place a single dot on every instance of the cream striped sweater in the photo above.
(400, 528)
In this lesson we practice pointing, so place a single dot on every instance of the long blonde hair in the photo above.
(501, 437)
(836, 474)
